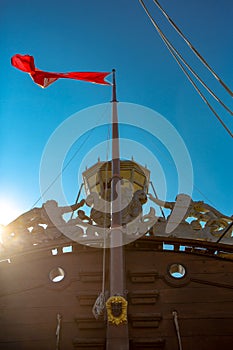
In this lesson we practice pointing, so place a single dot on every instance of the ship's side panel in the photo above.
(35, 310)
(164, 307)
(47, 297)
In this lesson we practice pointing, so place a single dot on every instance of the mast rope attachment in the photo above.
(58, 331)
(99, 305)
(175, 319)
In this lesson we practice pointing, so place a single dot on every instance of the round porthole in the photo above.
(57, 274)
(177, 271)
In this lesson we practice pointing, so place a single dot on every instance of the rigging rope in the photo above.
(202, 96)
(156, 196)
(193, 48)
(68, 163)
(227, 229)
(195, 187)
(77, 198)
(99, 305)
(175, 319)
(174, 52)
(58, 331)
(193, 72)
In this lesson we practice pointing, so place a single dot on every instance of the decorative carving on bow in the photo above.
(116, 310)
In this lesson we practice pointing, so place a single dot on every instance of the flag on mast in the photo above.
(26, 64)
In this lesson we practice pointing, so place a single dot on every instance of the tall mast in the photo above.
(116, 219)
(117, 335)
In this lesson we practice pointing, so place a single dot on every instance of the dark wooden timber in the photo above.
(203, 299)
(117, 336)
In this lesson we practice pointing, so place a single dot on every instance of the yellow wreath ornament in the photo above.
(123, 316)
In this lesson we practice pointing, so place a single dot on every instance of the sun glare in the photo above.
(8, 212)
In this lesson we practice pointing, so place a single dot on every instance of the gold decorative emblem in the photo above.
(116, 310)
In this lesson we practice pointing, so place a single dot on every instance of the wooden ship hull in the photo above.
(48, 292)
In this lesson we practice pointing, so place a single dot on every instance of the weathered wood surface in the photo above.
(30, 302)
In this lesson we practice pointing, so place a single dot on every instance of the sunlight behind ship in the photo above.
(8, 211)
(1, 232)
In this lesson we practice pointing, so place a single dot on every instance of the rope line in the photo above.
(175, 319)
(195, 187)
(58, 331)
(77, 198)
(227, 229)
(99, 305)
(68, 163)
(156, 196)
(201, 95)
(211, 92)
(174, 53)
(200, 57)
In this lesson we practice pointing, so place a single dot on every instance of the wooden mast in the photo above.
(117, 335)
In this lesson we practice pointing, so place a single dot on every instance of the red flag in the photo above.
(44, 79)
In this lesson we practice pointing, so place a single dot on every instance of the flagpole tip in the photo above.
(114, 99)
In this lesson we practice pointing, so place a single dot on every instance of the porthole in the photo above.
(177, 271)
(57, 274)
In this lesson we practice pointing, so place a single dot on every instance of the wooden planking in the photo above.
(145, 320)
(205, 343)
(141, 297)
(202, 309)
(145, 343)
(189, 327)
(160, 261)
(27, 332)
(85, 322)
(206, 326)
(36, 344)
(188, 295)
(84, 344)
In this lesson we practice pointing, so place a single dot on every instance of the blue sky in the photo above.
(98, 36)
